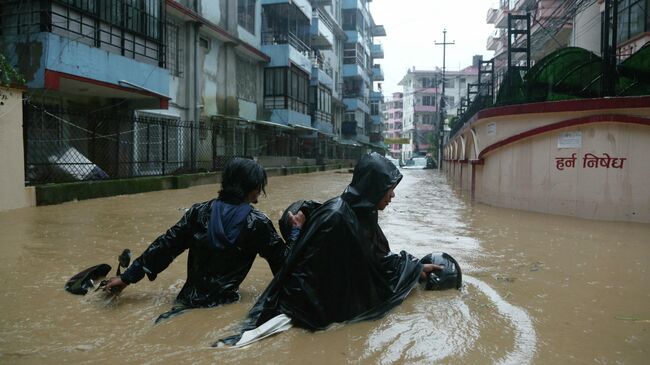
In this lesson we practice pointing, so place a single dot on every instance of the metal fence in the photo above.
(63, 146)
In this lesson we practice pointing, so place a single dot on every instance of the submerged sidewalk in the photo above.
(63, 192)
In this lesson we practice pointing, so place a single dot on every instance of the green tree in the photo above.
(8, 75)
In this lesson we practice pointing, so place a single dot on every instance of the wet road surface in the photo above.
(538, 288)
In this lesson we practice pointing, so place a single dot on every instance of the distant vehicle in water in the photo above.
(416, 163)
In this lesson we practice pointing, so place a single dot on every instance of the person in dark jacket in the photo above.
(223, 236)
(341, 268)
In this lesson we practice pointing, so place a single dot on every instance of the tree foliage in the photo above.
(8, 75)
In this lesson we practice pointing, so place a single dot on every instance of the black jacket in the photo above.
(213, 274)
(341, 268)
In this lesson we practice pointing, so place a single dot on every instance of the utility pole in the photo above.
(609, 45)
(443, 102)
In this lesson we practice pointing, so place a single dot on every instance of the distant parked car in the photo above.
(416, 163)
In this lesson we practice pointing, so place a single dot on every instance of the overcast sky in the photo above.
(413, 26)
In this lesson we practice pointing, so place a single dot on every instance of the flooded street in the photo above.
(538, 289)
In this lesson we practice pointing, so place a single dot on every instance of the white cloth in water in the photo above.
(277, 324)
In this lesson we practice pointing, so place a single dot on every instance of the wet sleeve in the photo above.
(269, 244)
(162, 251)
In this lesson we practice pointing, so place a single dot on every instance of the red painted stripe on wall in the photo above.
(605, 118)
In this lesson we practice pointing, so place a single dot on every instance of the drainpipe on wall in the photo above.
(197, 93)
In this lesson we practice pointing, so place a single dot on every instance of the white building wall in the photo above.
(586, 29)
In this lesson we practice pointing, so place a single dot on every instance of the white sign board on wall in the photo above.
(492, 129)
(569, 140)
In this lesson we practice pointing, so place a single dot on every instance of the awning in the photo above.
(327, 134)
(299, 126)
(349, 142)
(270, 124)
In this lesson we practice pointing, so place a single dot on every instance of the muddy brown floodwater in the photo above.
(538, 289)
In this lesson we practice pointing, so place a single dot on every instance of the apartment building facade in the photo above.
(421, 104)
(158, 86)
(392, 130)
(361, 120)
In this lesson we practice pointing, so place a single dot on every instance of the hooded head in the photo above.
(373, 176)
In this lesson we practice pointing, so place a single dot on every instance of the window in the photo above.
(632, 19)
(286, 88)
(427, 100)
(321, 98)
(450, 83)
(131, 28)
(374, 107)
(246, 79)
(426, 118)
(246, 15)
(175, 57)
(205, 43)
(427, 82)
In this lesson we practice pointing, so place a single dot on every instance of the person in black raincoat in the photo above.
(223, 236)
(341, 268)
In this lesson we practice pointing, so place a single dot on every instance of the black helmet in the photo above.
(447, 278)
(80, 283)
(285, 224)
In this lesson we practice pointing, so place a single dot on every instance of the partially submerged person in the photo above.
(223, 236)
(341, 268)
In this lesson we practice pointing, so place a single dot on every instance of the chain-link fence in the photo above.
(63, 146)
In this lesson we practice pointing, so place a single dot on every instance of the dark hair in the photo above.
(240, 177)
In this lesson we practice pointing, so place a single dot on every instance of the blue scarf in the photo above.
(226, 222)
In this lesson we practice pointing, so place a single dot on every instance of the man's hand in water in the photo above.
(297, 220)
(115, 285)
(427, 269)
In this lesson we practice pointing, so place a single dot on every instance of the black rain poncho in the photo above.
(215, 266)
(341, 268)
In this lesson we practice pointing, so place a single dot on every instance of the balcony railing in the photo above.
(118, 26)
(318, 62)
(276, 37)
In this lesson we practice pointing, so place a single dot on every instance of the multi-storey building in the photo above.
(421, 101)
(392, 130)
(361, 118)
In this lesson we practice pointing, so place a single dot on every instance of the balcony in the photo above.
(377, 73)
(286, 48)
(425, 108)
(322, 31)
(303, 5)
(492, 15)
(502, 18)
(377, 51)
(526, 5)
(356, 103)
(321, 73)
(375, 119)
(378, 31)
(353, 4)
(323, 126)
(355, 70)
(75, 68)
(376, 95)
(494, 41)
